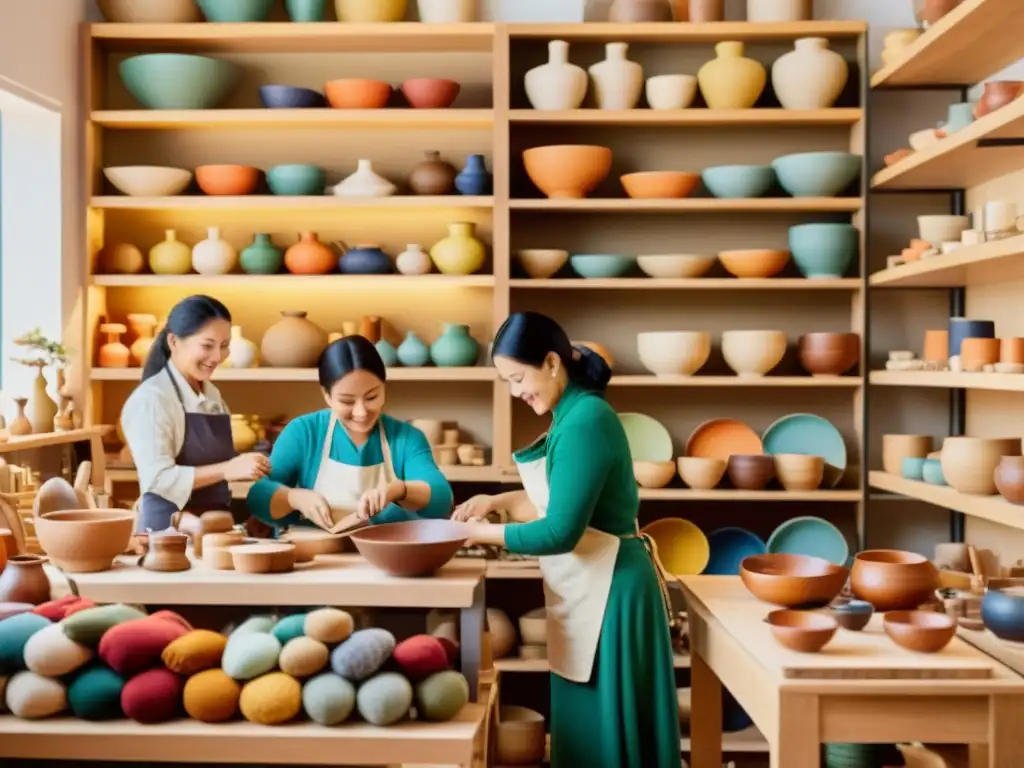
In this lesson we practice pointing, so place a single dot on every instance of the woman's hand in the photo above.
(247, 466)
(485, 534)
(312, 506)
(475, 508)
(373, 502)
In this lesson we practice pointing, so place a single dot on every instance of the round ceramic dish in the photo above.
(809, 434)
(721, 438)
(728, 548)
(682, 547)
(810, 536)
(648, 438)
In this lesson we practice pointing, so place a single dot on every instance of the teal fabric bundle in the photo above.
(14, 635)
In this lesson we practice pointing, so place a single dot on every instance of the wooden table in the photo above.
(799, 701)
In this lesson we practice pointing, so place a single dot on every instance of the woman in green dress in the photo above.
(613, 691)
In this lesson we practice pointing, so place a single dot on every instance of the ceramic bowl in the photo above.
(912, 468)
(936, 229)
(567, 170)
(148, 180)
(730, 546)
(521, 736)
(296, 180)
(699, 473)
(802, 631)
(601, 265)
(674, 266)
(892, 580)
(919, 631)
(598, 349)
(853, 615)
(227, 179)
(969, 463)
(178, 80)
(753, 262)
(738, 181)
(660, 185)
(681, 546)
(430, 92)
(150, 11)
(798, 471)
(721, 438)
(753, 353)
(816, 174)
(1009, 479)
(673, 353)
(654, 474)
(310, 543)
(750, 473)
(533, 627)
(671, 91)
(370, 11)
(236, 11)
(896, 448)
(84, 540)
(793, 581)
(290, 97)
(1002, 610)
(269, 557)
(357, 93)
(542, 263)
(413, 548)
(824, 251)
(931, 472)
(828, 354)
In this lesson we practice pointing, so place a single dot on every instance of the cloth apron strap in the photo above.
(385, 448)
(659, 570)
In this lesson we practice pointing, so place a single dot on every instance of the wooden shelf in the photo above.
(684, 117)
(303, 282)
(692, 284)
(995, 262)
(282, 202)
(728, 494)
(949, 53)
(691, 205)
(48, 439)
(676, 32)
(992, 508)
(1003, 382)
(958, 161)
(761, 382)
(267, 375)
(414, 119)
(513, 664)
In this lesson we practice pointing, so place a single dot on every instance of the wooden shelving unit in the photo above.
(1001, 382)
(993, 262)
(995, 509)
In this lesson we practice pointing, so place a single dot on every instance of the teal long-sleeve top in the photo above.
(295, 462)
(590, 477)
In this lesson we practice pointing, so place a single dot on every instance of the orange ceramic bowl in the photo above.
(567, 170)
(754, 262)
(660, 184)
(430, 92)
(227, 179)
(357, 93)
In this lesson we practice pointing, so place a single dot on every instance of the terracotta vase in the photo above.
(557, 85)
(121, 259)
(810, 76)
(242, 435)
(214, 255)
(624, 11)
(242, 352)
(618, 82)
(42, 408)
(171, 256)
(21, 425)
(24, 580)
(730, 80)
(113, 353)
(701, 11)
(365, 182)
(413, 261)
(144, 328)
(997, 94)
(1009, 479)
(309, 256)
(370, 328)
(293, 342)
(461, 253)
(433, 176)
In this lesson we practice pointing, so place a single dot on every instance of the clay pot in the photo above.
(828, 354)
(892, 580)
(1011, 350)
(309, 256)
(975, 354)
(113, 353)
(430, 92)
(626, 11)
(567, 170)
(357, 93)
(798, 471)
(969, 463)
(896, 448)
(792, 581)
(144, 328)
(121, 259)
(24, 580)
(521, 736)
(750, 473)
(853, 615)
(293, 342)
(84, 540)
(1009, 478)
(654, 474)
(802, 631)
(699, 473)
(919, 631)
(753, 262)
(165, 552)
(936, 347)
(753, 353)
(227, 179)
(414, 548)
(433, 176)
(997, 93)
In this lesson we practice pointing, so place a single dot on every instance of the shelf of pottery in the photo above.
(979, 256)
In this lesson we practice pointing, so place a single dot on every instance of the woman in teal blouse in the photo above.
(613, 691)
(350, 457)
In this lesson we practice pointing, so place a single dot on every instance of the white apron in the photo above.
(343, 485)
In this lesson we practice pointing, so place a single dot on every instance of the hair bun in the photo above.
(592, 370)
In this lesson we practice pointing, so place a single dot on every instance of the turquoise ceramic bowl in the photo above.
(912, 468)
(738, 181)
(823, 250)
(728, 548)
(811, 536)
(598, 265)
(816, 174)
(236, 10)
(178, 80)
(931, 472)
(296, 180)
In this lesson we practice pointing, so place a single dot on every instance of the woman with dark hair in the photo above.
(613, 691)
(350, 457)
(176, 424)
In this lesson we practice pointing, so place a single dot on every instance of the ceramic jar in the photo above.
(42, 409)
(121, 259)
(370, 11)
(365, 182)
(113, 353)
(261, 257)
(433, 176)
(1009, 479)
(413, 352)
(20, 425)
(779, 10)
(961, 328)
(413, 261)
(293, 342)
(997, 94)
(241, 351)
(24, 580)
(455, 348)
(309, 256)
(557, 85)
(936, 348)
(243, 438)
(171, 256)
(731, 80)
(625, 11)
(447, 11)
(461, 253)
(810, 76)
(214, 255)
(700, 11)
(618, 82)
(144, 328)
(365, 259)
(474, 179)
(388, 353)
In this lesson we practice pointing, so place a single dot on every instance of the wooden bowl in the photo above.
(413, 548)
(654, 474)
(217, 549)
(310, 543)
(753, 262)
(699, 473)
(828, 354)
(798, 471)
(792, 581)
(802, 631)
(893, 580)
(751, 473)
(920, 631)
(533, 627)
(263, 558)
(662, 185)
(521, 736)
(85, 540)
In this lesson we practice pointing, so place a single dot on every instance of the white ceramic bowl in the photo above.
(671, 91)
(937, 229)
(148, 180)
(675, 265)
(753, 353)
(673, 353)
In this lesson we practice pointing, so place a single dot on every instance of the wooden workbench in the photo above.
(731, 645)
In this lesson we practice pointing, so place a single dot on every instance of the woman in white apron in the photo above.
(351, 456)
(613, 691)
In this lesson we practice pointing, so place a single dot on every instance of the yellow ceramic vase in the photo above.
(370, 11)
(242, 435)
(730, 80)
(170, 257)
(461, 253)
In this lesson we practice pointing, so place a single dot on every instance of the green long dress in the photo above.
(626, 716)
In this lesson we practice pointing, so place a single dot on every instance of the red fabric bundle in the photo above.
(154, 696)
(136, 645)
(421, 656)
(57, 610)
(451, 648)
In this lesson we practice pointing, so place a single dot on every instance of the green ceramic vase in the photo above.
(262, 257)
(455, 347)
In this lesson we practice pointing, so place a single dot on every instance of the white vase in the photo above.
(558, 84)
(810, 76)
(617, 80)
(213, 256)
(242, 353)
(447, 11)
(779, 10)
(413, 261)
(365, 182)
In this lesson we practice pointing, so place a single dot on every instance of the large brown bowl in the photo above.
(84, 540)
(751, 473)
(567, 170)
(921, 631)
(828, 354)
(802, 631)
(792, 581)
(893, 580)
(413, 548)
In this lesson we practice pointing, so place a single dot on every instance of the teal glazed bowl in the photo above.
(296, 180)
(236, 10)
(738, 181)
(823, 251)
(178, 80)
(931, 472)
(598, 265)
(816, 174)
(912, 468)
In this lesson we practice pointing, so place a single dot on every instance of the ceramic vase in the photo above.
(113, 353)
(261, 257)
(412, 352)
(214, 255)
(305, 10)
(366, 259)
(243, 438)
(121, 259)
(433, 176)
(144, 328)
(461, 253)
(1009, 479)
(242, 352)
(20, 425)
(557, 85)
(455, 348)
(730, 80)
(626, 11)
(779, 10)
(309, 256)
(365, 182)
(618, 82)
(171, 256)
(474, 179)
(387, 352)
(413, 261)
(810, 76)
(24, 580)
(42, 408)
(293, 342)
(447, 11)
(961, 328)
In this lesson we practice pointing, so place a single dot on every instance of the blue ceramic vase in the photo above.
(412, 352)
(455, 348)
(474, 179)
(365, 260)
(387, 352)
(262, 257)
(961, 328)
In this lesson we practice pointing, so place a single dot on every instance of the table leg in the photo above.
(797, 742)
(471, 635)
(705, 715)
(1005, 737)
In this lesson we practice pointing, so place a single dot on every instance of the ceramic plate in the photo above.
(682, 547)
(728, 548)
(810, 536)
(648, 438)
(812, 435)
(722, 438)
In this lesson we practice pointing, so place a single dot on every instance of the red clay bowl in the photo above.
(227, 179)
(357, 93)
(893, 580)
(802, 631)
(921, 631)
(792, 581)
(430, 92)
(413, 548)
